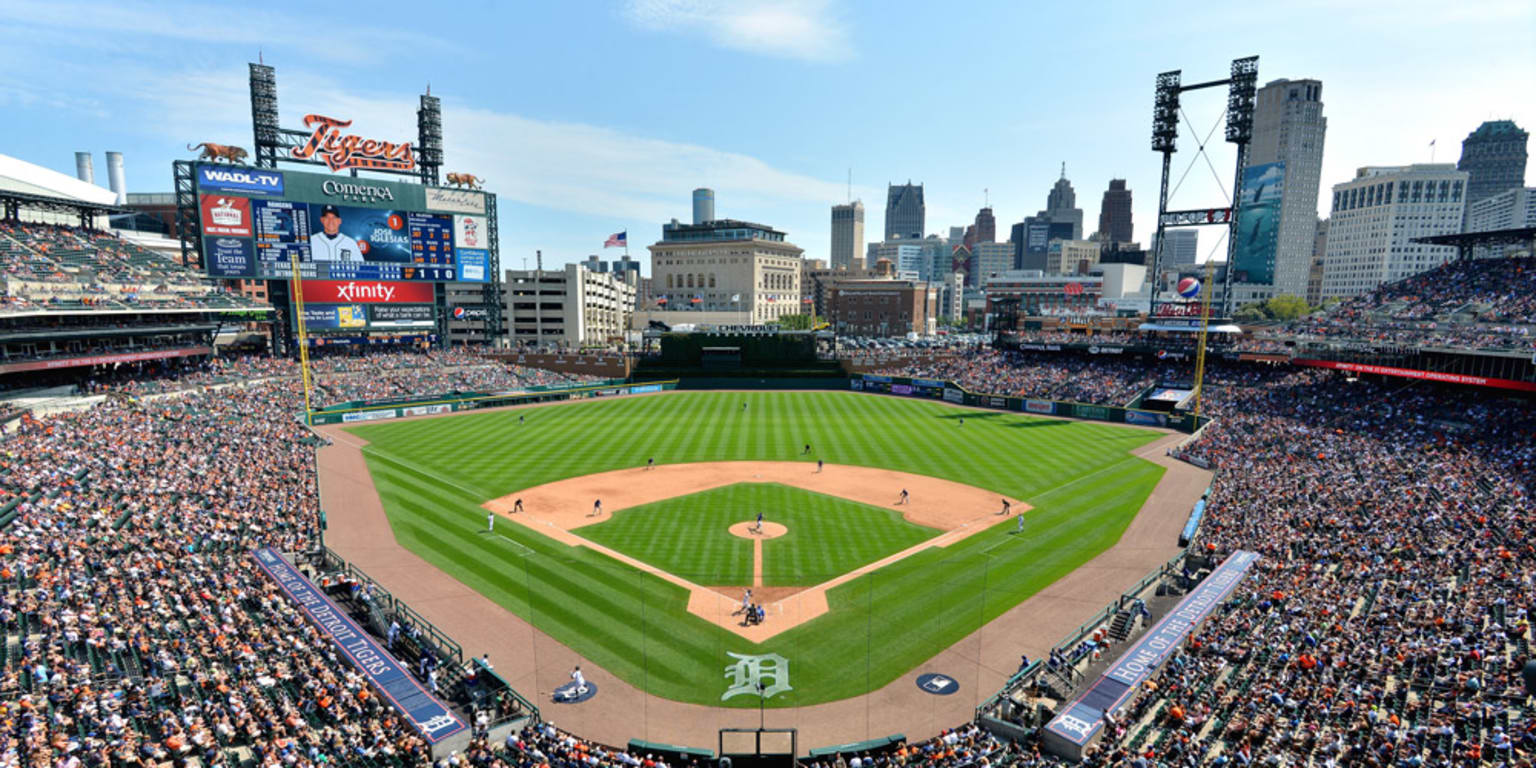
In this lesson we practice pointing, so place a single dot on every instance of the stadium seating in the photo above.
(55, 268)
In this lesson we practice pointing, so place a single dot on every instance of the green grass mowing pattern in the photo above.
(1078, 476)
(688, 535)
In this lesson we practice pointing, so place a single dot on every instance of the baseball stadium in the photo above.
(346, 522)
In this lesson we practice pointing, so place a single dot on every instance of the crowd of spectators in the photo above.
(1385, 624)
(1389, 617)
(1480, 303)
(1050, 376)
(57, 267)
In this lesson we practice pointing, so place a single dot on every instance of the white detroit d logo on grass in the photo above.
(749, 672)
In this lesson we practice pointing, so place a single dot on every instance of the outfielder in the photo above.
(490, 523)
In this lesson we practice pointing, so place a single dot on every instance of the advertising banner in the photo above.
(928, 383)
(953, 395)
(470, 232)
(856, 385)
(123, 357)
(1410, 373)
(455, 200)
(1098, 350)
(1098, 412)
(246, 181)
(433, 719)
(367, 292)
(379, 415)
(1146, 418)
(228, 256)
(1258, 223)
(901, 389)
(997, 402)
(325, 317)
(1040, 406)
(388, 316)
(225, 215)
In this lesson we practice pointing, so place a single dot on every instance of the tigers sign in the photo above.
(329, 145)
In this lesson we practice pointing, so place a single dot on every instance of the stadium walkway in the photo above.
(535, 664)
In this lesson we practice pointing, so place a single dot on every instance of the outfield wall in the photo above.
(431, 406)
(950, 392)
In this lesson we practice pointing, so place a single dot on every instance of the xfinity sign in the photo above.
(250, 181)
(367, 292)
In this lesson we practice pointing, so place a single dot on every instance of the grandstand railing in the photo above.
(445, 647)
(1038, 667)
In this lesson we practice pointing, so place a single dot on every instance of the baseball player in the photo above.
(818, 465)
(807, 449)
(759, 527)
(517, 506)
(1020, 527)
(1006, 507)
(490, 523)
(581, 683)
(597, 508)
(904, 496)
(650, 463)
(330, 244)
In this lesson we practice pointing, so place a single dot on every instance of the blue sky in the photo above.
(591, 117)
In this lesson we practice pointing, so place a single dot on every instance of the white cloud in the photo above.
(808, 30)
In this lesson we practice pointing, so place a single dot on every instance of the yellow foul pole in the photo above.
(1205, 323)
(303, 338)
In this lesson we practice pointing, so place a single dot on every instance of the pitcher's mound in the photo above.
(770, 530)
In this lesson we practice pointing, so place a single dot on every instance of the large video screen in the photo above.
(256, 222)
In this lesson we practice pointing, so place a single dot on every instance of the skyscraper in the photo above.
(1494, 155)
(1181, 247)
(905, 213)
(1286, 151)
(1376, 217)
(1061, 205)
(848, 236)
(1115, 213)
(986, 226)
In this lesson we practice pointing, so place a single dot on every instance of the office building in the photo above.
(925, 258)
(1115, 213)
(1510, 209)
(1285, 156)
(1376, 216)
(905, 213)
(817, 280)
(703, 205)
(1061, 205)
(883, 308)
(1071, 257)
(1315, 273)
(594, 264)
(847, 236)
(1181, 247)
(1494, 158)
(985, 227)
(727, 265)
(988, 259)
(566, 308)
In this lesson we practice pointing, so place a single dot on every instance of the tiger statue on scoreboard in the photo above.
(216, 152)
(465, 180)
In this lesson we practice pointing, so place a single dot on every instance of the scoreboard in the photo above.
(257, 222)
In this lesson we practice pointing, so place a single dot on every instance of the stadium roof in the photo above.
(29, 179)
(1491, 237)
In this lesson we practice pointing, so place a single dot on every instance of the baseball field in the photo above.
(623, 587)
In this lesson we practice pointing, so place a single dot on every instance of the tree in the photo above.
(798, 322)
(1287, 307)
(1250, 313)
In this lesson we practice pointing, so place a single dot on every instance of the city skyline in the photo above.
(577, 147)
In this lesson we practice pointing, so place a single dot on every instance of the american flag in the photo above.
(617, 240)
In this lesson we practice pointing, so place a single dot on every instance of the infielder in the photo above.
(1006, 507)
(818, 465)
(759, 527)
(650, 463)
(330, 244)
(517, 506)
(904, 496)
(597, 508)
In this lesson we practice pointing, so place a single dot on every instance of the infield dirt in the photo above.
(559, 509)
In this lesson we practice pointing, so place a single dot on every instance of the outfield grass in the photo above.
(1084, 487)
(827, 536)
